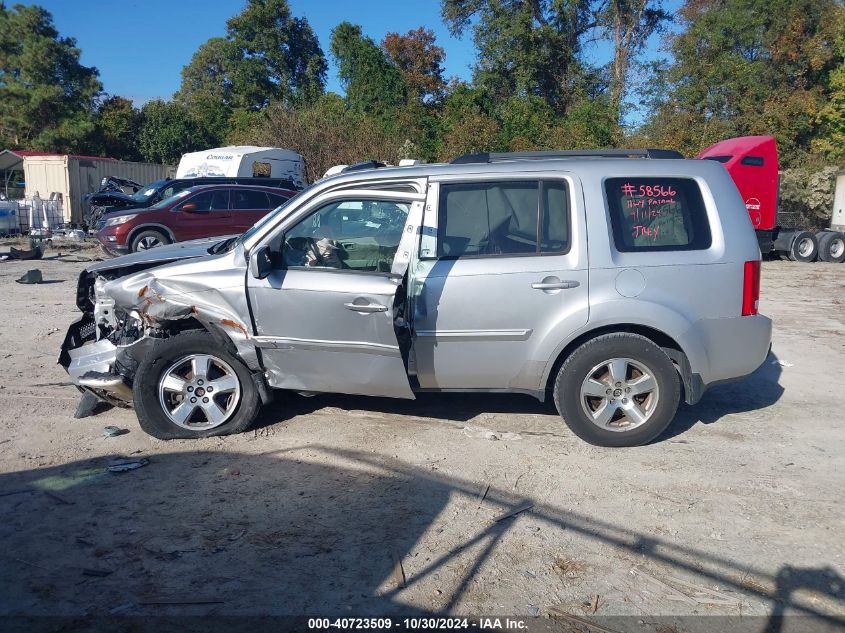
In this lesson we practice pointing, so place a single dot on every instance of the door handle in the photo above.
(366, 308)
(554, 285)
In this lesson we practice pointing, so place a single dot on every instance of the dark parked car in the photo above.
(113, 201)
(113, 192)
(191, 213)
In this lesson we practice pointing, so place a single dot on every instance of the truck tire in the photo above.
(617, 390)
(146, 239)
(831, 246)
(803, 247)
(190, 386)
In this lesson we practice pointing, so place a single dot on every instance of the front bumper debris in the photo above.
(90, 368)
(98, 367)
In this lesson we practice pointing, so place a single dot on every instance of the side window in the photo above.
(249, 199)
(657, 214)
(554, 231)
(174, 188)
(199, 202)
(356, 234)
(276, 200)
(502, 218)
(220, 200)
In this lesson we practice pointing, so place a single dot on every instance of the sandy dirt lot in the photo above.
(739, 509)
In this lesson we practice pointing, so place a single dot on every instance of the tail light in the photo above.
(751, 288)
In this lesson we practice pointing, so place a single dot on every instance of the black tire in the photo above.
(577, 368)
(167, 352)
(147, 236)
(831, 246)
(803, 248)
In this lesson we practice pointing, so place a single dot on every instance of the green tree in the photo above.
(373, 84)
(268, 55)
(168, 131)
(277, 53)
(326, 133)
(627, 24)
(47, 97)
(749, 67)
(208, 87)
(118, 124)
(526, 123)
(525, 48)
(534, 48)
(830, 140)
(466, 125)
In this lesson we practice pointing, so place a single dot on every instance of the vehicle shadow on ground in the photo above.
(452, 407)
(757, 391)
(309, 529)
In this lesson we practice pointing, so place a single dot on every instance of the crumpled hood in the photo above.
(211, 290)
(162, 254)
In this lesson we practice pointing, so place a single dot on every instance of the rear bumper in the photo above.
(735, 347)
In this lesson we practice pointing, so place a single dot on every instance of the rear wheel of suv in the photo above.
(617, 390)
(148, 239)
(190, 386)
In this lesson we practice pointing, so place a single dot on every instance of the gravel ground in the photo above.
(736, 510)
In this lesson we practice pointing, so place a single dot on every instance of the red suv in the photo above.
(192, 213)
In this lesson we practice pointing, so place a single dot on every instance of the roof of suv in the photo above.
(516, 163)
(235, 186)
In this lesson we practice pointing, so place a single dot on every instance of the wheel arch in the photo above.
(690, 382)
(245, 353)
(150, 227)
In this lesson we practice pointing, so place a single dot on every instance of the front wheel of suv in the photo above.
(617, 390)
(190, 386)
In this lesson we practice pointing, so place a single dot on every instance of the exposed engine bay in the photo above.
(129, 304)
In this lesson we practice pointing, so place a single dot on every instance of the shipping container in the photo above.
(73, 176)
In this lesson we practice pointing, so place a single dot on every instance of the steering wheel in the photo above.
(315, 252)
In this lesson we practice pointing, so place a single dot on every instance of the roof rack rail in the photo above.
(367, 164)
(492, 157)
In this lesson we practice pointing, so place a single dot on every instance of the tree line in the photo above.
(725, 68)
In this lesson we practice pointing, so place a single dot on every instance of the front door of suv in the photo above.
(325, 315)
(202, 214)
(501, 280)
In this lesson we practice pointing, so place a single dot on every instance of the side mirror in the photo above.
(188, 207)
(260, 262)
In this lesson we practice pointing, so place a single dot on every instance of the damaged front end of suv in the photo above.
(132, 303)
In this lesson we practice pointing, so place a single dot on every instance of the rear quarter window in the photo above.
(657, 214)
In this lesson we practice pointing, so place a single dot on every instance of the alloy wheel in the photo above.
(619, 394)
(199, 392)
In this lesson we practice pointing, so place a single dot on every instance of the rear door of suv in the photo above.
(501, 279)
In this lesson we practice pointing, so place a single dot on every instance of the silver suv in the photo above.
(614, 285)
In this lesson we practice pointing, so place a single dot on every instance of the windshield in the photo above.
(145, 193)
(172, 199)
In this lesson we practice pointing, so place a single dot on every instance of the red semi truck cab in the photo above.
(752, 162)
